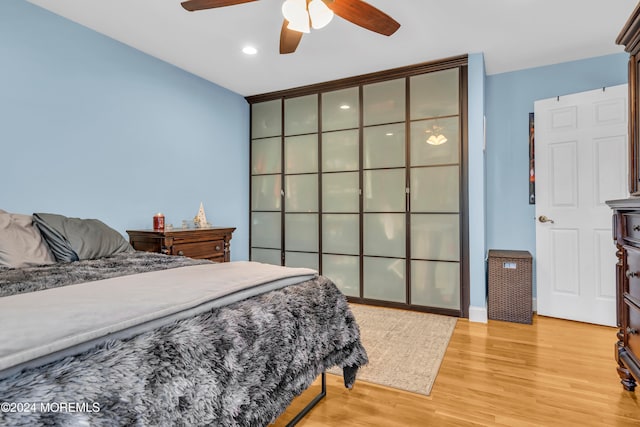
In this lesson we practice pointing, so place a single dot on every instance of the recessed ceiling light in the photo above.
(249, 50)
(344, 107)
(389, 134)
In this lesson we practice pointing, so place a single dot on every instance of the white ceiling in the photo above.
(512, 34)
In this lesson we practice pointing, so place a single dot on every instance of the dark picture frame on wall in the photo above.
(532, 170)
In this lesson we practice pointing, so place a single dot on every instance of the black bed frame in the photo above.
(310, 405)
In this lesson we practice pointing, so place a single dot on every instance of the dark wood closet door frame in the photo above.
(460, 62)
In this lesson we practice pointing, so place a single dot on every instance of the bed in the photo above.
(97, 334)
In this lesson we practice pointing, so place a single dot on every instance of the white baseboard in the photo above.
(478, 314)
(481, 315)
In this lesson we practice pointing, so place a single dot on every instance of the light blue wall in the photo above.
(510, 98)
(476, 165)
(92, 128)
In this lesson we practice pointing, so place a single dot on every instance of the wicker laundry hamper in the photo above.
(510, 277)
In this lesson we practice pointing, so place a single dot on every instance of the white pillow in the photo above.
(21, 244)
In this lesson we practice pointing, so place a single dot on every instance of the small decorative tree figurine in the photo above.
(200, 219)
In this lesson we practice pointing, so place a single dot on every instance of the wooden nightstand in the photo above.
(205, 243)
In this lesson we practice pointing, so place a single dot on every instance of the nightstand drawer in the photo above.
(212, 249)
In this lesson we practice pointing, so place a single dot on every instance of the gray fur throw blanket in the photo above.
(238, 365)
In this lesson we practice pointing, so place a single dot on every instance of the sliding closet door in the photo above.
(266, 182)
(435, 189)
(384, 191)
(341, 189)
(301, 206)
(364, 181)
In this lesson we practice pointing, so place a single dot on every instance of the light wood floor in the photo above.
(552, 373)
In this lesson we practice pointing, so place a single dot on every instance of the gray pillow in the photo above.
(21, 244)
(73, 239)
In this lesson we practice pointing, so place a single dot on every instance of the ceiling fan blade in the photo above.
(192, 5)
(289, 39)
(364, 15)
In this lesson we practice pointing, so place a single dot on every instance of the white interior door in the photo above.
(580, 162)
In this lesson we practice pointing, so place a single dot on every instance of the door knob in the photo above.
(543, 218)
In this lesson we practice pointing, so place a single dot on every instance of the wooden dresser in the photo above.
(626, 230)
(205, 243)
(626, 225)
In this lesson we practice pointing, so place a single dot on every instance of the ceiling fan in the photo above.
(299, 14)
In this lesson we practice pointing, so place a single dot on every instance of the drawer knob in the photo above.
(631, 274)
(181, 253)
(217, 248)
(631, 331)
(636, 227)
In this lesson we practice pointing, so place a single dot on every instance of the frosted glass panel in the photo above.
(301, 154)
(423, 153)
(266, 119)
(268, 256)
(301, 232)
(266, 156)
(344, 271)
(301, 193)
(435, 284)
(384, 102)
(265, 193)
(384, 146)
(435, 237)
(384, 279)
(341, 192)
(384, 190)
(435, 189)
(266, 230)
(340, 151)
(301, 115)
(384, 235)
(434, 94)
(341, 233)
(340, 109)
(297, 259)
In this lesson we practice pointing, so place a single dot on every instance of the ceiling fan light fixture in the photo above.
(295, 11)
(300, 25)
(320, 14)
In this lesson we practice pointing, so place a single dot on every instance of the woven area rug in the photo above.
(405, 348)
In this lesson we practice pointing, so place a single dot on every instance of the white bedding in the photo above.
(42, 324)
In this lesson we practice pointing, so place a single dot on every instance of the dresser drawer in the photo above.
(631, 226)
(210, 250)
(633, 329)
(633, 271)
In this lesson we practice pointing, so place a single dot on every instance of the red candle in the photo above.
(158, 222)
